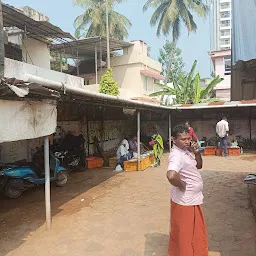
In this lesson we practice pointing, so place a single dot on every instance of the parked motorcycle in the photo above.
(70, 151)
(15, 179)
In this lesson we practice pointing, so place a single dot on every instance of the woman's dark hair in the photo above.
(178, 130)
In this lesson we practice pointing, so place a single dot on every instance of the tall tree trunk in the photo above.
(2, 53)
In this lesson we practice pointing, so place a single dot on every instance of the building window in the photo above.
(225, 23)
(224, 6)
(225, 14)
(225, 33)
(227, 60)
(145, 83)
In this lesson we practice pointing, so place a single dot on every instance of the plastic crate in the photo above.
(94, 162)
(152, 159)
(132, 165)
(112, 162)
(218, 152)
(210, 151)
(234, 151)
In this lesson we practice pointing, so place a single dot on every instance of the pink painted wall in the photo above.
(219, 66)
(223, 88)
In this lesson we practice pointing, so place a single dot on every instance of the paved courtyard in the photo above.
(102, 213)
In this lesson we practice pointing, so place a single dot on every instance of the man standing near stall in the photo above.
(188, 235)
(222, 129)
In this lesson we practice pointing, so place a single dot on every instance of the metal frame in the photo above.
(86, 47)
(40, 30)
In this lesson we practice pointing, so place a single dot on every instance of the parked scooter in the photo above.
(15, 179)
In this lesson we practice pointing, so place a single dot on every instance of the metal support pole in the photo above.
(77, 64)
(47, 183)
(25, 37)
(100, 57)
(170, 130)
(60, 62)
(2, 52)
(138, 138)
(107, 31)
(96, 63)
(250, 122)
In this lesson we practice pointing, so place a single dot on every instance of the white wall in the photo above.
(126, 72)
(137, 53)
(36, 52)
(19, 69)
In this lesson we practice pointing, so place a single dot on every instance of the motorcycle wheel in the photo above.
(62, 179)
(10, 191)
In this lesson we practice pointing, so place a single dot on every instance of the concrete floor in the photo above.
(103, 213)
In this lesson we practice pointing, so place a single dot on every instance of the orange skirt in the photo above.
(188, 235)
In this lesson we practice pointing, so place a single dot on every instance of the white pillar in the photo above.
(96, 64)
(47, 183)
(170, 130)
(138, 138)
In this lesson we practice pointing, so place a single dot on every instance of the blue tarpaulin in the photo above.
(243, 30)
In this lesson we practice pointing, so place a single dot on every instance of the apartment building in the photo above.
(221, 19)
(220, 33)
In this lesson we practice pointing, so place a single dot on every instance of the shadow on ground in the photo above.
(21, 216)
(156, 244)
(230, 223)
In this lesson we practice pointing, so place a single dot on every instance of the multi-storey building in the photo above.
(220, 32)
(221, 19)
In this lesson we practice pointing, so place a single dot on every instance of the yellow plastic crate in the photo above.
(132, 165)
(152, 159)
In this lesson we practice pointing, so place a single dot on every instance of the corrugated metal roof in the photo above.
(221, 104)
(41, 30)
(86, 47)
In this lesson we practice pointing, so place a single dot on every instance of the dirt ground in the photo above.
(103, 213)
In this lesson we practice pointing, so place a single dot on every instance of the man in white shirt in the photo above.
(122, 153)
(222, 129)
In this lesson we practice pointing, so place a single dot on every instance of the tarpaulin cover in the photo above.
(21, 120)
(243, 30)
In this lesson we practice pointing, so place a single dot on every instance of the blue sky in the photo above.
(195, 46)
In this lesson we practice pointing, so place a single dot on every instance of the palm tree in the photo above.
(188, 89)
(169, 14)
(93, 20)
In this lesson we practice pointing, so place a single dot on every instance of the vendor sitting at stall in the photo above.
(133, 144)
(232, 141)
(122, 153)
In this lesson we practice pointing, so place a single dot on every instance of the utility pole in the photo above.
(2, 52)
(107, 31)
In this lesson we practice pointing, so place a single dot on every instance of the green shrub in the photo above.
(108, 85)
